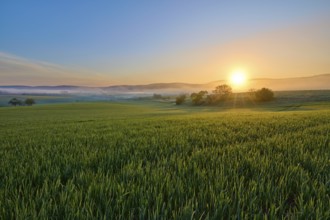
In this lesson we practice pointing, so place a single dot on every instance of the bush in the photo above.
(264, 95)
(180, 99)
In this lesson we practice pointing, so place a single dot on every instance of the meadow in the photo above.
(159, 161)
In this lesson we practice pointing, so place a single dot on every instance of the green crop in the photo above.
(130, 161)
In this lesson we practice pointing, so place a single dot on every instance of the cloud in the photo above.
(19, 70)
(301, 49)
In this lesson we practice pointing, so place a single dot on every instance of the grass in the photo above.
(159, 161)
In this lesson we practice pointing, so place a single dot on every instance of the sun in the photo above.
(238, 78)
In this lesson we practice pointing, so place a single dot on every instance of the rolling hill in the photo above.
(316, 82)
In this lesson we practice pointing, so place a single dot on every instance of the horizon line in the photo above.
(146, 84)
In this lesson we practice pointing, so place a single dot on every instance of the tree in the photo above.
(212, 99)
(264, 95)
(15, 102)
(29, 101)
(157, 96)
(251, 94)
(180, 99)
(221, 92)
(198, 98)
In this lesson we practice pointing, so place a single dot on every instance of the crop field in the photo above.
(159, 161)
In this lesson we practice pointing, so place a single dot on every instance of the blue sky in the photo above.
(127, 42)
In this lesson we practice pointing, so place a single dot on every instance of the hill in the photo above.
(317, 82)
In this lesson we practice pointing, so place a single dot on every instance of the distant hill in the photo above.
(61, 87)
(317, 82)
(153, 86)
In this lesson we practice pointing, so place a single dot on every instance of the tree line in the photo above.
(222, 93)
(18, 102)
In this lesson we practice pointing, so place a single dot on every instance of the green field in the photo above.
(158, 161)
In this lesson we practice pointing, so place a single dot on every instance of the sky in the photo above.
(100, 43)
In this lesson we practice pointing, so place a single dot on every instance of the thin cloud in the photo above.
(18, 70)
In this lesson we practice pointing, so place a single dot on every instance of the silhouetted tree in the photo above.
(198, 98)
(15, 102)
(251, 94)
(264, 95)
(157, 96)
(180, 99)
(221, 93)
(223, 90)
(212, 99)
(29, 101)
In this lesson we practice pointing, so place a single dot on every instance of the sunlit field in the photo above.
(159, 161)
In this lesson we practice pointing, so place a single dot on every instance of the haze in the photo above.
(102, 43)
